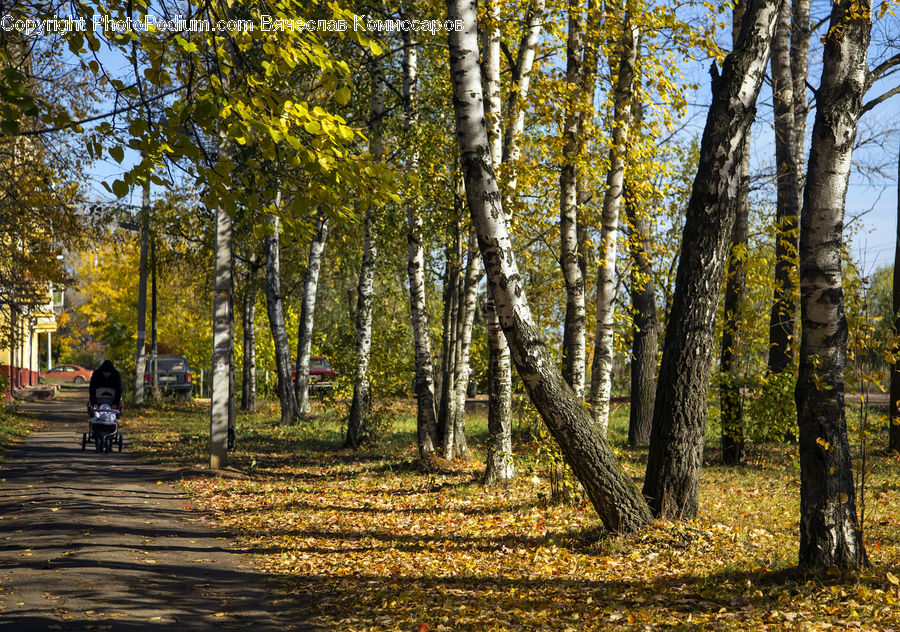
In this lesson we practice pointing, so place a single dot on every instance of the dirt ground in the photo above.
(93, 541)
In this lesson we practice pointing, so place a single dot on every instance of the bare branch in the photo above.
(882, 68)
(878, 100)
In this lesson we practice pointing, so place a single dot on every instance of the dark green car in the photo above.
(173, 375)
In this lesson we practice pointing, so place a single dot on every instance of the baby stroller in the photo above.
(103, 425)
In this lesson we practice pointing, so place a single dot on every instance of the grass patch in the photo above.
(13, 428)
(367, 542)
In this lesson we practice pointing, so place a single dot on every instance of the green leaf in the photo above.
(120, 188)
(117, 153)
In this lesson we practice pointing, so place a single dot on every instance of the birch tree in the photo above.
(671, 484)
(601, 368)
(616, 499)
(581, 70)
(426, 420)
(829, 532)
(894, 431)
(307, 314)
(505, 127)
(140, 350)
(248, 316)
(790, 125)
(645, 344)
(275, 311)
(361, 403)
(730, 390)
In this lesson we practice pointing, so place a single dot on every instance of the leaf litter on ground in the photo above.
(367, 542)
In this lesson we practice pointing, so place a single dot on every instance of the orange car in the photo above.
(66, 374)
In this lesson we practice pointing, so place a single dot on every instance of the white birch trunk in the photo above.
(275, 311)
(307, 314)
(601, 369)
(361, 400)
(426, 417)
(248, 384)
(829, 531)
(223, 341)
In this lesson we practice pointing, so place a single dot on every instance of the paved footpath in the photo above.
(91, 541)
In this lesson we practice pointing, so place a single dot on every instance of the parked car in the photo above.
(173, 375)
(320, 374)
(66, 374)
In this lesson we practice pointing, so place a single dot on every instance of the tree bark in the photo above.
(275, 311)
(424, 386)
(465, 321)
(730, 389)
(730, 394)
(645, 345)
(612, 493)
(787, 214)
(679, 417)
(361, 401)
(223, 342)
(248, 374)
(515, 111)
(894, 432)
(601, 368)
(829, 533)
(307, 314)
(140, 351)
(450, 339)
(581, 70)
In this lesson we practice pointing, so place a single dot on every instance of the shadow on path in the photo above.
(93, 541)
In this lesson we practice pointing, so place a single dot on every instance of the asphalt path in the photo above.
(94, 541)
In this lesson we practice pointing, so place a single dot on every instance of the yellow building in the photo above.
(24, 325)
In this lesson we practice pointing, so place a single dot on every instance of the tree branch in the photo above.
(91, 119)
(882, 68)
(878, 100)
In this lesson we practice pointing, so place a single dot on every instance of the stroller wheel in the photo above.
(83, 440)
(120, 442)
(107, 444)
(98, 444)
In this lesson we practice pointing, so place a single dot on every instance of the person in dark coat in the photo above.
(106, 376)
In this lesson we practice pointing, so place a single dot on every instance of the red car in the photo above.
(67, 374)
(320, 373)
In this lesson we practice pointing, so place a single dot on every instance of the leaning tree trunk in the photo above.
(679, 417)
(894, 434)
(248, 374)
(787, 213)
(602, 365)
(612, 493)
(424, 386)
(645, 345)
(275, 311)
(829, 532)
(307, 314)
(730, 390)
